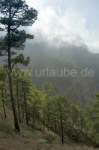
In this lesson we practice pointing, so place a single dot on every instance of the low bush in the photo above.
(50, 138)
(6, 127)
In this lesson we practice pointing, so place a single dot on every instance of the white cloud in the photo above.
(60, 27)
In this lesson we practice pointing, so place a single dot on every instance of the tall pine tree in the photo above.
(14, 14)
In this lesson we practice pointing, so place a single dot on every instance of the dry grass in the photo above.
(24, 142)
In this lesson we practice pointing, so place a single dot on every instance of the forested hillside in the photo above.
(46, 102)
(43, 109)
(45, 57)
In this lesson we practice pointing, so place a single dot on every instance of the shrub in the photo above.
(50, 138)
(5, 127)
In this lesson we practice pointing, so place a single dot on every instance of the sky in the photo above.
(67, 21)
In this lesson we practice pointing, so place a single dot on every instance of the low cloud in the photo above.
(62, 22)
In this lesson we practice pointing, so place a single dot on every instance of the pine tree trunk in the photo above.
(55, 125)
(62, 131)
(48, 116)
(81, 124)
(10, 74)
(22, 111)
(44, 121)
(61, 124)
(34, 117)
(26, 112)
(48, 122)
(18, 101)
(13, 105)
(3, 103)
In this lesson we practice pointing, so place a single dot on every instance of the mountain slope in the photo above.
(77, 89)
(46, 61)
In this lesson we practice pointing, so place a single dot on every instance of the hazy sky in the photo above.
(72, 21)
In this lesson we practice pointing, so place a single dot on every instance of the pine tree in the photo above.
(14, 14)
